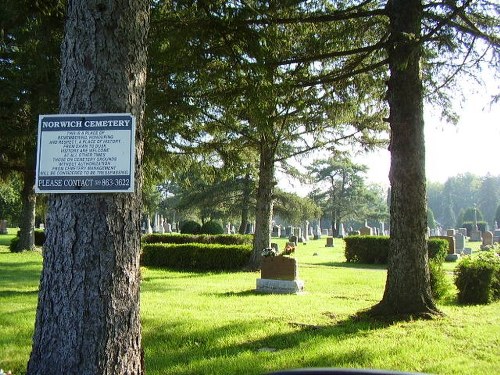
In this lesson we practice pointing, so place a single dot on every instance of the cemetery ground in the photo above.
(215, 323)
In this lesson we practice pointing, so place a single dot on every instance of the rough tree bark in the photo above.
(245, 203)
(407, 290)
(27, 225)
(264, 205)
(87, 318)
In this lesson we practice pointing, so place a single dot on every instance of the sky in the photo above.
(472, 145)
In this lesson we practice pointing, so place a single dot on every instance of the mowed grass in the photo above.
(215, 323)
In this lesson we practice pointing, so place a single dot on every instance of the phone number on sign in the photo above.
(113, 182)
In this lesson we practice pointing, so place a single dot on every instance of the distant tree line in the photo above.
(453, 201)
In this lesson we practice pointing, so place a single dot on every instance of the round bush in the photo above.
(477, 278)
(211, 227)
(190, 227)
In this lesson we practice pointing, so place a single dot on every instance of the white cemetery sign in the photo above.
(86, 153)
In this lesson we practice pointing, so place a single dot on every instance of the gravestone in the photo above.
(381, 228)
(168, 227)
(317, 233)
(450, 232)
(475, 234)
(366, 230)
(3, 227)
(297, 231)
(459, 243)
(306, 231)
(329, 242)
(161, 229)
(341, 231)
(276, 231)
(496, 235)
(279, 274)
(275, 246)
(487, 238)
(293, 239)
(463, 231)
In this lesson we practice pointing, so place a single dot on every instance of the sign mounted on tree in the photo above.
(86, 153)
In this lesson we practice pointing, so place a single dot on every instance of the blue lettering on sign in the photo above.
(96, 183)
(108, 122)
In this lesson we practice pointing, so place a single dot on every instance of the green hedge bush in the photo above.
(438, 249)
(440, 285)
(477, 278)
(222, 239)
(190, 227)
(211, 227)
(196, 256)
(375, 249)
(367, 249)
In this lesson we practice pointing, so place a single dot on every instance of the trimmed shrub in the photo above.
(477, 278)
(440, 285)
(375, 249)
(367, 249)
(196, 257)
(190, 227)
(437, 249)
(211, 227)
(222, 239)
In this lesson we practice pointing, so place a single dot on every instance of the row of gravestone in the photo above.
(456, 241)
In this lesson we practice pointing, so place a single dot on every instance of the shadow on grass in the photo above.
(346, 265)
(6, 238)
(243, 293)
(17, 293)
(177, 348)
(22, 273)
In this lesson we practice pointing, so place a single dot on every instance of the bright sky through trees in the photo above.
(473, 145)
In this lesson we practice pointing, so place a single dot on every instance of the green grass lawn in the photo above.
(215, 323)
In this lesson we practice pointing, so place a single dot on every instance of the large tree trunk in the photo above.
(87, 318)
(264, 205)
(245, 203)
(27, 225)
(407, 290)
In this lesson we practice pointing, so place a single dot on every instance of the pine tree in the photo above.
(87, 319)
